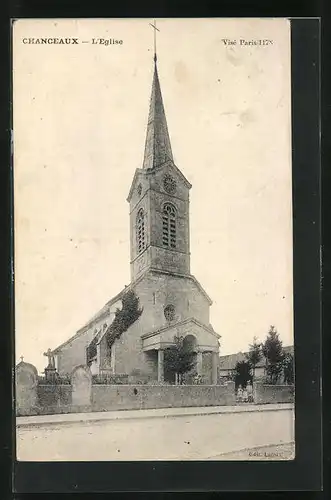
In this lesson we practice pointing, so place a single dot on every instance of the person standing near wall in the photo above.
(239, 394)
(250, 392)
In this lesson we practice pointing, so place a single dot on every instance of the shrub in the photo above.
(109, 379)
(57, 380)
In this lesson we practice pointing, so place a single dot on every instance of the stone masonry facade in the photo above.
(173, 302)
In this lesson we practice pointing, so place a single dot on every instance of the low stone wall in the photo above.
(54, 398)
(50, 399)
(264, 394)
(129, 397)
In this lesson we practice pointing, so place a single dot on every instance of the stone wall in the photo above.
(151, 200)
(169, 289)
(74, 352)
(50, 399)
(154, 293)
(207, 369)
(33, 398)
(129, 397)
(264, 394)
(54, 398)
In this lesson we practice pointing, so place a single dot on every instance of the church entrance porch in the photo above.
(151, 361)
(197, 338)
(157, 366)
(168, 375)
(204, 365)
(190, 345)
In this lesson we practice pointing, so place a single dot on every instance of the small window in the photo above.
(169, 226)
(140, 231)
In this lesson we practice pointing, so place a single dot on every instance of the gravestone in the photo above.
(81, 382)
(26, 389)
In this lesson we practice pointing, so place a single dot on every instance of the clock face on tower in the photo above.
(169, 184)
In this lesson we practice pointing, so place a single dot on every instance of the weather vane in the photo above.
(155, 30)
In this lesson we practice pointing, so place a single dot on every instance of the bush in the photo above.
(272, 350)
(124, 317)
(109, 379)
(57, 380)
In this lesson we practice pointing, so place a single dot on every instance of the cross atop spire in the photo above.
(157, 146)
(155, 30)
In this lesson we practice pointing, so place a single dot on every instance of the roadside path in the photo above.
(170, 434)
(70, 418)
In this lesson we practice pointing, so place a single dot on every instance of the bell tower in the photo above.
(159, 201)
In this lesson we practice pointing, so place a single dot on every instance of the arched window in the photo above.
(169, 226)
(140, 231)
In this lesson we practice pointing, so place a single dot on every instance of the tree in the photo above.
(179, 358)
(254, 354)
(288, 368)
(124, 317)
(272, 349)
(242, 373)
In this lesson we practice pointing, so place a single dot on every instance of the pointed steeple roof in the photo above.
(157, 146)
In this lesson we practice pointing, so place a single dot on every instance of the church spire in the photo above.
(157, 146)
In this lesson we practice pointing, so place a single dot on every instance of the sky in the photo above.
(79, 117)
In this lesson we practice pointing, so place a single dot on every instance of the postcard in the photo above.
(153, 240)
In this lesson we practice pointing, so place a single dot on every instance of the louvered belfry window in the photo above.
(140, 231)
(169, 226)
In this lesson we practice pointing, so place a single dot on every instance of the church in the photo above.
(172, 300)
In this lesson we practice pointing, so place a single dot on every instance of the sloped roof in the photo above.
(229, 361)
(208, 328)
(289, 349)
(104, 309)
(102, 312)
